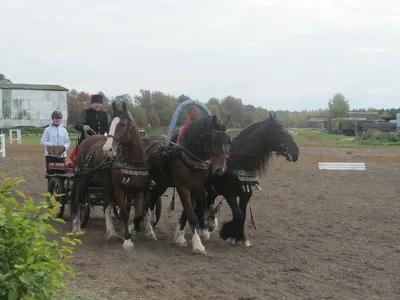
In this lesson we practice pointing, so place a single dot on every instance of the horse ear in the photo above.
(114, 107)
(124, 109)
(214, 120)
(271, 115)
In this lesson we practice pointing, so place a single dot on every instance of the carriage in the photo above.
(60, 178)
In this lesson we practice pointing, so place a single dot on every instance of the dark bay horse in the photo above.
(118, 163)
(250, 152)
(187, 167)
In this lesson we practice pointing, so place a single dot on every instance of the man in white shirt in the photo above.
(55, 135)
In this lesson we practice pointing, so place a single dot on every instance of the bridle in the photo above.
(124, 137)
(207, 150)
(283, 151)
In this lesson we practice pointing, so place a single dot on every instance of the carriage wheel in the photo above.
(116, 207)
(56, 186)
(85, 214)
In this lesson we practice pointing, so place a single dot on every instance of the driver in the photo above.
(93, 120)
(55, 135)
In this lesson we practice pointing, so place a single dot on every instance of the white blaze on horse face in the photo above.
(108, 146)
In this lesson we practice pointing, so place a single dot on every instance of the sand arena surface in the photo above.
(320, 235)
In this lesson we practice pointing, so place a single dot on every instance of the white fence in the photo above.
(18, 135)
(2, 145)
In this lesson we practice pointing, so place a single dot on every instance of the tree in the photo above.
(182, 98)
(4, 78)
(145, 100)
(236, 109)
(154, 119)
(338, 106)
(140, 115)
(125, 97)
(215, 110)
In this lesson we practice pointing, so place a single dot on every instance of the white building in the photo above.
(31, 104)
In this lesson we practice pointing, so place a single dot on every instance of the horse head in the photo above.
(123, 130)
(206, 138)
(280, 140)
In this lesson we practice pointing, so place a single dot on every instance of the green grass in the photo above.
(304, 137)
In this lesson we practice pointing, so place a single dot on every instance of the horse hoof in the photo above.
(247, 243)
(231, 241)
(201, 251)
(206, 234)
(76, 229)
(127, 244)
(151, 237)
(180, 244)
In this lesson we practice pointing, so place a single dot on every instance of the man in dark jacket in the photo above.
(93, 120)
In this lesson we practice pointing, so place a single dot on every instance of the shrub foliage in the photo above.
(33, 253)
(376, 137)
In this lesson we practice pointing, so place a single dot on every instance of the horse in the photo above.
(118, 163)
(250, 153)
(186, 165)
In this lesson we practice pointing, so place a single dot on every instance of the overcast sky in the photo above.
(279, 54)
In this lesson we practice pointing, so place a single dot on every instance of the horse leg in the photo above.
(244, 200)
(185, 197)
(212, 221)
(149, 232)
(110, 229)
(200, 212)
(180, 230)
(139, 217)
(76, 196)
(154, 195)
(180, 227)
(152, 201)
(124, 216)
(233, 229)
(151, 204)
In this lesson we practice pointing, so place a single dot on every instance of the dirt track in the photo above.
(320, 235)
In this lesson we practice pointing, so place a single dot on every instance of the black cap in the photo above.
(97, 98)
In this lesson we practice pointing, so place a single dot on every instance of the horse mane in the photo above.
(197, 127)
(248, 137)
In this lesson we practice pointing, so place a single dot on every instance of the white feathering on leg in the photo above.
(197, 246)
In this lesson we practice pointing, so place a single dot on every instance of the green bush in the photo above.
(376, 137)
(32, 265)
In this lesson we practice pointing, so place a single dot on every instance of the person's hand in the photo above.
(86, 127)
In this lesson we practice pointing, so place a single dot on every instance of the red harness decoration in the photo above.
(72, 156)
(186, 122)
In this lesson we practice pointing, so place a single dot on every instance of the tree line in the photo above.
(155, 109)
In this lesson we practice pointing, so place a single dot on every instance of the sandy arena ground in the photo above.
(320, 235)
